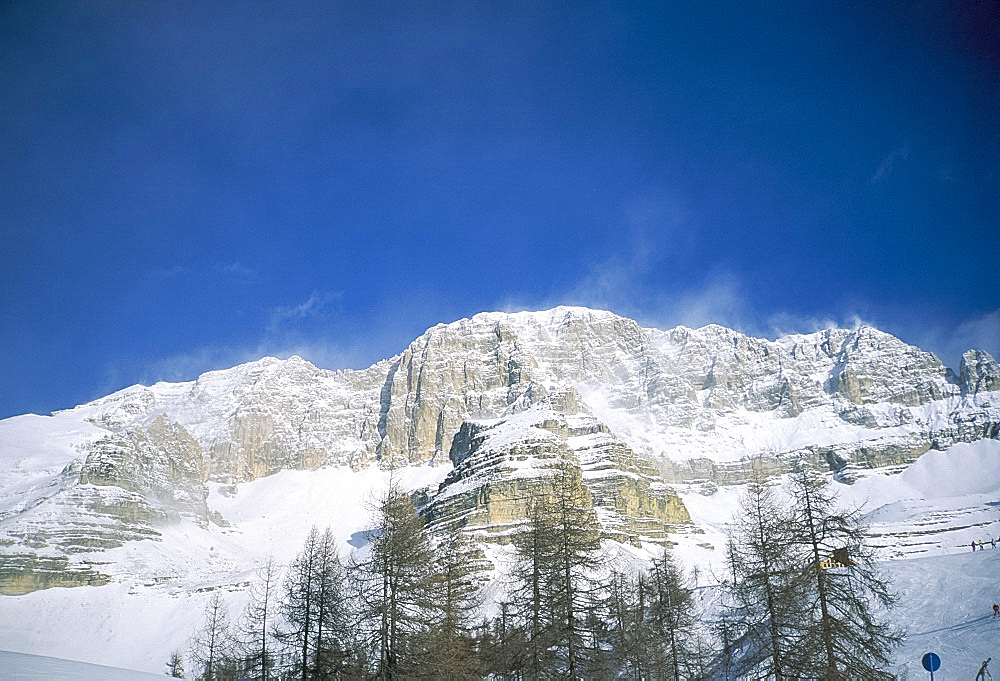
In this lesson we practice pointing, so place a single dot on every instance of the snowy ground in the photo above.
(946, 606)
(924, 520)
(22, 667)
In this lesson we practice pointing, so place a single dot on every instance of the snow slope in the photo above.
(945, 591)
(21, 667)
(286, 445)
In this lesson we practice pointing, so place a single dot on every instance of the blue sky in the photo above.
(186, 185)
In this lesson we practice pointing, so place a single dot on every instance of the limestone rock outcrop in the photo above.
(502, 465)
(978, 373)
(507, 399)
(676, 396)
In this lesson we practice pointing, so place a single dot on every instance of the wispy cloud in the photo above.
(719, 300)
(318, 304)
(890, 163)
(235, 270)
(979, 332)
(657, 230)
(185, 366)
(786, 323)
(323, 353)
(302, 329)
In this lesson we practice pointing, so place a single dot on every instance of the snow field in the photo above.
(160, 587)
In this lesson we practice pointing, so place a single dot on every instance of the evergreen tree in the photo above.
(394, 586)
(211, 645)
(844, 637)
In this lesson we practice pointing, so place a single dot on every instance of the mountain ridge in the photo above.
(701, 407)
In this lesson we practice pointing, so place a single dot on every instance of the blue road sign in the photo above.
(931, 662)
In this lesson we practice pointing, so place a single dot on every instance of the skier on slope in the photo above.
(984, 673)
(996, 610)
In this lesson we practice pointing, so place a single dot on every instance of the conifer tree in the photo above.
(630, 636)
(558, 558)
(175, 665)
(502, 644)
(297, 608)
(394, 586)
(211, 645)
(577, 560)
(449, 648)
(531, 579)
(670, 615)
(844, 636)
(257, 622)
(333, 638)
(767, 584)
(314, 609)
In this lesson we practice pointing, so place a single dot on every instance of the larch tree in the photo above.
(629, 635)
(211, 645)
(767, 586)
(175, 665)
(258, 622)
(670, 615)
(502, 644)
(531, 576)
(558, 559)
(394, 585)
(577, 561)
(845, 593)
(449, 650)
(313, 609)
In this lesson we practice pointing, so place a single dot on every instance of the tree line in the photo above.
(802, 599)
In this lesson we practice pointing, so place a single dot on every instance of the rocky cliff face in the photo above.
(506, 399)
(501, 465)
(682, 398)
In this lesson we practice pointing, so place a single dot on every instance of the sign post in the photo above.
(931, 663)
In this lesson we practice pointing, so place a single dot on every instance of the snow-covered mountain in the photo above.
(174, 488)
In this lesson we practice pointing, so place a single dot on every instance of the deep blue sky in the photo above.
(186, 186)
